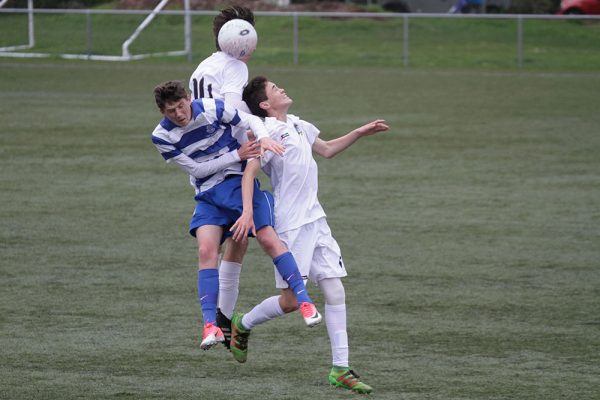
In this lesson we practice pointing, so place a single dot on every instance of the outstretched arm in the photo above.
(330, 148)
(245, 222)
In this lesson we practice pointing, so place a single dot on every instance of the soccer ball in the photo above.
(238, 38)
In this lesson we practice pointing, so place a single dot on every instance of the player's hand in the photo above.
(268, 144)
(373, 127)
(242, 226)
(250, 149)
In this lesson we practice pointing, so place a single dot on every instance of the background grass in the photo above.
(557, 45)
(470, 232)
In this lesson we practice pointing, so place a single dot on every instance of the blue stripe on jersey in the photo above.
(197, 108)
(167, 124)
(220, 108)
(167, 155)
(226, 140)
(198, 134)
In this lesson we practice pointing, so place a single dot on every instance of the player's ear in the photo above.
(265, 105)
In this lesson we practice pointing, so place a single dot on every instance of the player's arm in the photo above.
(330, 148)
(206, 168)
(245, 222)
(234, 99)
(262, 135)
(237, 117)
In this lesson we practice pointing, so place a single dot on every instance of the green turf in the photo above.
(433, 42)
(471, 233)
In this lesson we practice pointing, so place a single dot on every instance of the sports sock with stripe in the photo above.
(288, 269)
(208, 292)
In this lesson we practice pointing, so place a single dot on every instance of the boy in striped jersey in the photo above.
(199, 137)
(300, 220)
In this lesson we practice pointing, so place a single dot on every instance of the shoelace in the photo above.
(306, 310)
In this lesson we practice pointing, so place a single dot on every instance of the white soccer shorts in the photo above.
(316, 252)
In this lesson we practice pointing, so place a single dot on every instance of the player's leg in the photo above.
(262, 204)
(230, 269)
(286, 266)
(328, 268)
(268, 309)
(209, 237)
(335, 319)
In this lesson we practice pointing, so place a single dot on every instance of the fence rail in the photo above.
(295, 17)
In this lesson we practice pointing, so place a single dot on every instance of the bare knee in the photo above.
(208, 254)
(270, 242)
(287, 301)
(235, 251)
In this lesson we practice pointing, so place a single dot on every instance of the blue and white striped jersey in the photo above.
(206, 148)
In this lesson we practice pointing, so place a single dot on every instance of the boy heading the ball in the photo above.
(223, 76)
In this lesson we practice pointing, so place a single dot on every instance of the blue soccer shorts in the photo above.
(222, 205)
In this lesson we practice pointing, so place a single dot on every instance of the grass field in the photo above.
(471, 232)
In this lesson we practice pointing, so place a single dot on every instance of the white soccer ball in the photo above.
(238, 38)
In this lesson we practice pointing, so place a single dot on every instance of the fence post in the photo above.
(188, 31)
(88, 20)
(295, 38)
(520, 41)
(405, 49)
(30, 24)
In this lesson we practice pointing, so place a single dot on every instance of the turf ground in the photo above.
(471, 232)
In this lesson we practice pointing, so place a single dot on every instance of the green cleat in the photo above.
(347, 379)
(239, 338)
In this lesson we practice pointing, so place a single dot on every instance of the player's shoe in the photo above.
(211, 336)
(348, 379)
(310, 314)
(239, 338)
(224, 324)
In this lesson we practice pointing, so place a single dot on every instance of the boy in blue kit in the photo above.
(198, 137)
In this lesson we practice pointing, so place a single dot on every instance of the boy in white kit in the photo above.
(221, 76)
(299, 218)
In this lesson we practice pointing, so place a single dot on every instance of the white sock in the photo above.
(267, 310)
(335, 319)
(229, 286)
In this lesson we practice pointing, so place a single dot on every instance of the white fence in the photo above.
(294, 17)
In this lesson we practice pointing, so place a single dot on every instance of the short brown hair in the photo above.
(255, 93)
(226, 15)
(169, 91)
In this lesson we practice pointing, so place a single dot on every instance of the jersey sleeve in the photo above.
(312, 132)
(235, 100)
(253, 123)
(197, 169)
(206, 168)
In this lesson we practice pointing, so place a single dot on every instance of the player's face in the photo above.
(179, 112)
(277, 97)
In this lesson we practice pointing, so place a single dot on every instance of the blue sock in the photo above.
(288, 269)
(208, 293)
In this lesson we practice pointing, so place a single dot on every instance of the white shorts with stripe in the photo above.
(316, 252)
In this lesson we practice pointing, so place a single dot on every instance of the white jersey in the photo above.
(219, 75)
(294, 177)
